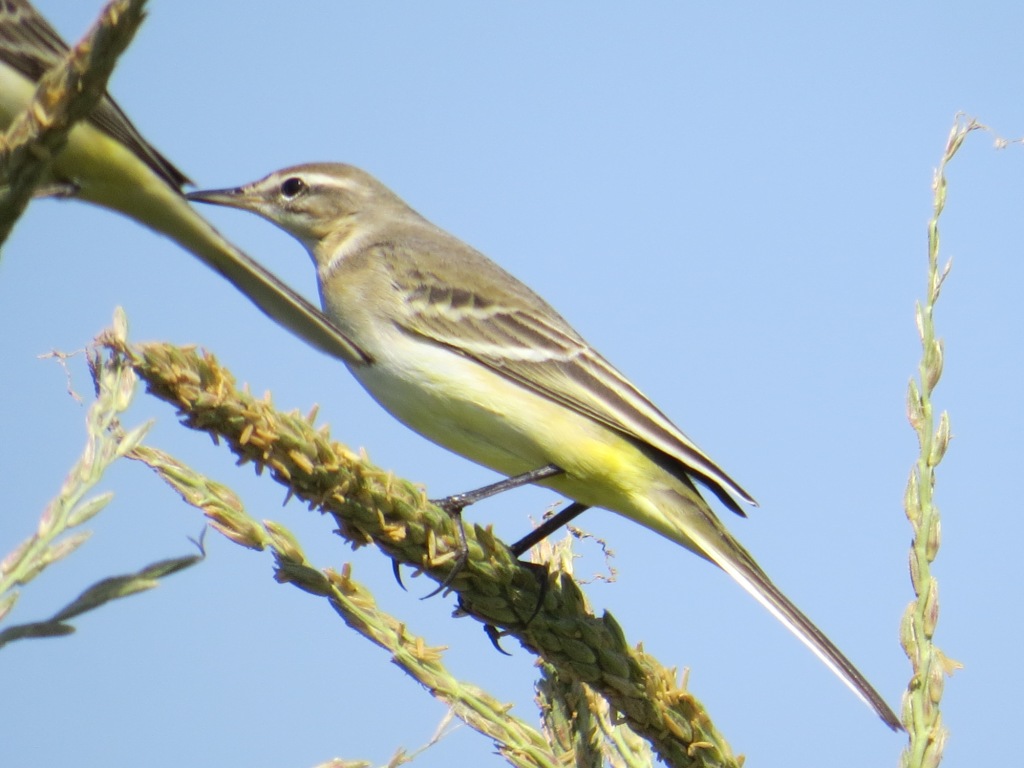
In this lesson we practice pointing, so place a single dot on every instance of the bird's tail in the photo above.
(692, 524)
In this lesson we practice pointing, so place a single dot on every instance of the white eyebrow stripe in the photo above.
(314, 179)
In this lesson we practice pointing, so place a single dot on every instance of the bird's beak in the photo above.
(232, 198)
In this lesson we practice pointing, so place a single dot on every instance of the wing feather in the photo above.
(536, 348)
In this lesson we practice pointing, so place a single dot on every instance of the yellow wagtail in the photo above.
(107, 162)
(469, 357)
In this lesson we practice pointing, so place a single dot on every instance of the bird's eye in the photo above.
(292, 187)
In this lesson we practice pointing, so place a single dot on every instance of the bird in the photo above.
(107, 162)
(471, 358)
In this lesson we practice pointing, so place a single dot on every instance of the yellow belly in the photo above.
(477, 413)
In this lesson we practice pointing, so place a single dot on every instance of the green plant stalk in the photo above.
(521, 745)
(65, 95)
(371, 505)
(106, 443)
(577, 720)
(921, 715)
(69, 508)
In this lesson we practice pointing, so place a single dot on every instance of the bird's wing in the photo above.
(31, 46)
(532, 345)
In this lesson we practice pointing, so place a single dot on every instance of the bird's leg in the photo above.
(454, 505)
(548, 527)
(458, 502)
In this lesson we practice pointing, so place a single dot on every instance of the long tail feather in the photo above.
(698, 530)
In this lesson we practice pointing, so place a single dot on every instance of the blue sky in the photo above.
(728, 202)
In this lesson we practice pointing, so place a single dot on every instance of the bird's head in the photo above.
(315, 202)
